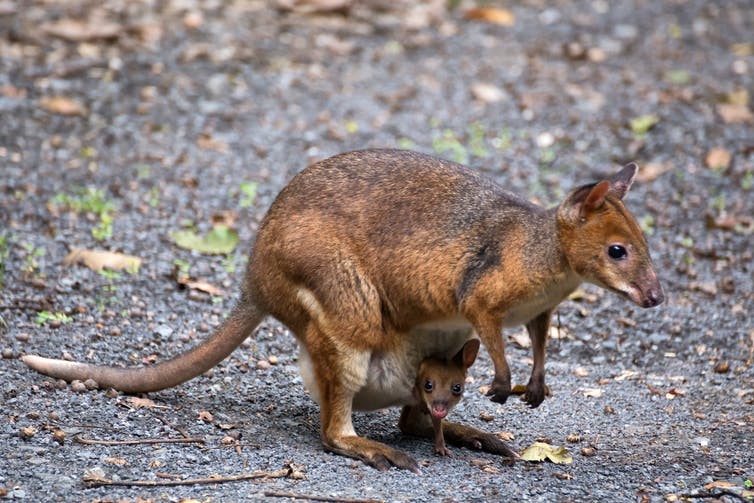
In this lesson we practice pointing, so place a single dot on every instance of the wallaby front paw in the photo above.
(535, 391)
(500, 390)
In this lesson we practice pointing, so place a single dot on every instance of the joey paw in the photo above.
(442, 451)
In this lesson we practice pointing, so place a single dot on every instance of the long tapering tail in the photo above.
(242, 321)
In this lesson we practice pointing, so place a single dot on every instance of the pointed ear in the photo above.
(595, 199)
(621, 182)
(466, 356)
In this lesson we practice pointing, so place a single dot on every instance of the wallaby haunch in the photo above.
(377, 259)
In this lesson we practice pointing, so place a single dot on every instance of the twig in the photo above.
(175, 427)
(88, 441)
(712, 494)
(94, 481)
(234, 444)
(314, 497)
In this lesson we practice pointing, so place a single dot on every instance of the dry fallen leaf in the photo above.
(521, 339)
(80, 31)
(540, 451)
(719, 483)
(505, 435)
(63, 106)
(202, 286)
(100, 259)
(487, 93)
(652, 170)
(593, 393)
(206, 416)
(718, 158)
(207, 142)
(580, 372)
(494, 15)
(138, 403)
(116, 461)
(734, 114)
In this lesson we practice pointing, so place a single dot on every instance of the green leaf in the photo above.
(219, 241)
(642, 124)
(540, 451)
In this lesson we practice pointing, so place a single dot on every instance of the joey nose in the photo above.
(655, 297)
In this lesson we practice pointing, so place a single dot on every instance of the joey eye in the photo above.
(428, 386)
(457, 389)
(617, 252)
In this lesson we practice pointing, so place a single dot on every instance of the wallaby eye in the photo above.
(457, 389)
(428, 386)
(617, 252)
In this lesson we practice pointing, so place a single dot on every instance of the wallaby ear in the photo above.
(466, 356)
(621, 182)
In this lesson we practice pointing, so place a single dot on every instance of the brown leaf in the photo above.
(63, 106)
(116, 461)
(207, 142)
(505, 435)
(202, 286)
(653, 170)
(734, 114)
(494, 15)
(314, 6)
(593, 393)
(138, 403)
(488, 93)
(718, 158)
(206, 416)
(97, 260)
(520, 339)
(719, 483)
(75, 30)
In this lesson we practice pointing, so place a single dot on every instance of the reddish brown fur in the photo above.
(439, 387)
(371, 258)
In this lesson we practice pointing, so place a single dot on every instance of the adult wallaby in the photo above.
(377, 259)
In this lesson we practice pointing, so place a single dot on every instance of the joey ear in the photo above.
(621, 182)
(466, 356)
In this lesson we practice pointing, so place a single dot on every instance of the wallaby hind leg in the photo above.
(414, 422)
(337, 377)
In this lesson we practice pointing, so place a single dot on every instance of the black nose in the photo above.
(654, 298)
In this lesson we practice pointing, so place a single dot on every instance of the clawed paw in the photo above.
(500, 390)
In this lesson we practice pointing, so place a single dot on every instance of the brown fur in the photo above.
(439, 386)
(377, 259)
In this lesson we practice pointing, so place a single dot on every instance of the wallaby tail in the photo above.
(242, 321)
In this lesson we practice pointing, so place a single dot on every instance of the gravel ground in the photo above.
(149, 117)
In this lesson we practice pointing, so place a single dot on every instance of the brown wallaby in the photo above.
(376, 259)
(439, 386)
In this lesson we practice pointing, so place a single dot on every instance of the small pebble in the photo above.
(33, 415)
(111, 393)
(484, 416)
(7, 353)
(61, 384)
(58, 436)
(263, 365)
(115, 331)
(273, 359)
(91, 384)
(23, 336)
(78, 386)
(609, 410)
(588, 451)
(53, 416)
(573, 438)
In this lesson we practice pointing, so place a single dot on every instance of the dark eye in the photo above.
(457, 389)
(617, 252)
(428, 386)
